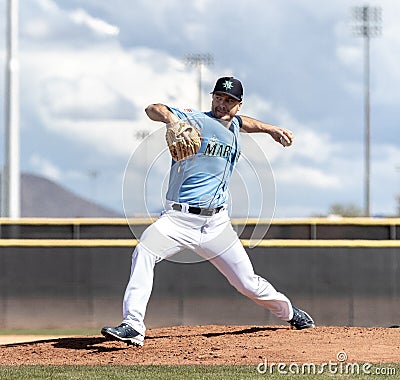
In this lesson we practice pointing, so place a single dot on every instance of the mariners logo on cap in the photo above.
(228, 85)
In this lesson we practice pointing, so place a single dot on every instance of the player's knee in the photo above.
(246, 288)
(253, 286)
(144, 253)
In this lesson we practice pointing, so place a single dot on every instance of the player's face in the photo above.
(224, 107)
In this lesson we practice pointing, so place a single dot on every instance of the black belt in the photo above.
(198, 210)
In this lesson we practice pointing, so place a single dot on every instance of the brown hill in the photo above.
(41, 197)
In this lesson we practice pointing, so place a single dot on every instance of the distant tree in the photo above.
(349, 210)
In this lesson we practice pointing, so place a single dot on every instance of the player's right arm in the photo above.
(282, 135)
(160, 112)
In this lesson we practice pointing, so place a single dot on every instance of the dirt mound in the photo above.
(216, 345)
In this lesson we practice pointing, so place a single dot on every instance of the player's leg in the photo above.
(139, 287)
(155, 245)
(235, 265)
(222, 247)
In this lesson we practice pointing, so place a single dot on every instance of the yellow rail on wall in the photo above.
(262, 243)
(362, 221)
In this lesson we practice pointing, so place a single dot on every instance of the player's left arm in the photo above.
(281, 135)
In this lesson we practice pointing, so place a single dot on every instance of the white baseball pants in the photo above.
(214, 239)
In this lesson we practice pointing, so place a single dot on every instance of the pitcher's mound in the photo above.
(216, 345)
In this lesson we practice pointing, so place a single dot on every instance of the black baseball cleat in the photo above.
(123, 333)
(301, 320)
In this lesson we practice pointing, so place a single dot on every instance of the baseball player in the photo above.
(205, 147)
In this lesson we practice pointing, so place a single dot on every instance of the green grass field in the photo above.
(176, 373)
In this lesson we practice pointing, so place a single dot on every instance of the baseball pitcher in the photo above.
(205, 147)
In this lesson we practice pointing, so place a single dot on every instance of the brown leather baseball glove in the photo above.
(183, 140)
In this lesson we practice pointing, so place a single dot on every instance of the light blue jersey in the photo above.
(202, 180)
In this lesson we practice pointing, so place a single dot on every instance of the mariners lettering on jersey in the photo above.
(217, 149)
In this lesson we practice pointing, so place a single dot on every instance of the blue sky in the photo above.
(89, 68)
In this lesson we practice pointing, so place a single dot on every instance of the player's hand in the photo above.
(282, 136)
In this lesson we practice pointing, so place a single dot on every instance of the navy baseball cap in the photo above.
(230, 86)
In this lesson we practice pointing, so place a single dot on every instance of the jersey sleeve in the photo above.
(240, 121)
(186, 113)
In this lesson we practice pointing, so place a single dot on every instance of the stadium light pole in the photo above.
(368, 24)
(11, 194)
(199, 60)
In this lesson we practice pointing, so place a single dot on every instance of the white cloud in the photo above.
(83, 81)
(109, 137)
(350, 56)
(81, 98)
(85, 97)
(80, 16)
(384, 54)
(309, 142)
(47, 5)
(45, 167)
(311, 177)
(385, 178)
(37, 28)
(46, 21)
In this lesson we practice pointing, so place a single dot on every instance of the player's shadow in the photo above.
(85, 343)
(26, 344)
(74, 343)
(249, 330)
(94, 344)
